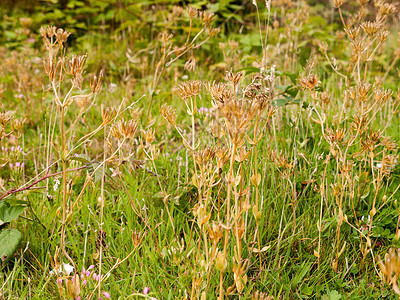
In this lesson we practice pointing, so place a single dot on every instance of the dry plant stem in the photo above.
(341, 18)
(102, 203)
(64, 197)
(256, 180)
(30, 186)
(228, 204)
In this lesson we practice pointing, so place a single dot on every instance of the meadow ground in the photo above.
(207, 150)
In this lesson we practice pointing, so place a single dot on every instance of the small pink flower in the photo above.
(91, 267)
(84, 282)
(107, 295)
(87, 273)
(146, 290)
(78, 298)
(59, 281)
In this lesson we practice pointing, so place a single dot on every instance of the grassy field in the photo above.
(206, 150)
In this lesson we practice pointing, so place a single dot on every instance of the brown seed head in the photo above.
(309, 82)
(382, 95)
(206, 18)
(136, 113)
(25, 22)
(215, 232)
(190, 65)
(234, 78)
(126, 128)
(149, 135)
(362, 2)
(220, 93)
(383, 35)
(323, 47)
(62, 36)
(6, 117)
(165, 37)
(222, 156)
(189, 89)
(169, 114)
(370, 28)
(95, 82)
(107, 114)
(389, 144)
(338, 3)
(17, 125)
(74, 66)
(359, 123)
(214, 31)
(51, 67)
(50, 31)
(205, 156)
(363, 89)
(387, 9)
(325, 97)
(352, 33)
(192, 12)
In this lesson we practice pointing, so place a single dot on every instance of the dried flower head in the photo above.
(325, 97)
(6, 117)
(107, 114)
(220, 93)
(124, 128)
(389, 144)
(205, 156)
(165, 37)
(25, 22)
(149, 135)
(323, 47)
(338, 3)
(74, 66)
(309, 82)
(234, 78)
(192, 12)
(353, 32)
(189, 89)
(62, 35)
(190, 65)
(168, 112)
(206, 17)
(51, 68)
(382, 95)
(214, 31)
(370, 28)
(95, 82)
(136, 113)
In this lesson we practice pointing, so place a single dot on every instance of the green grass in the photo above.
(131, 237)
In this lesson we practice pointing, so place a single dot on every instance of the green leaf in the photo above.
(249, 70)
(9, 213)
(331, 295)
(81, 158)
(9, 240)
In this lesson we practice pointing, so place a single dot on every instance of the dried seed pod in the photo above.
(189, 89)
(168, 112)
